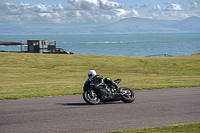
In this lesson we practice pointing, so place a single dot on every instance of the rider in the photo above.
(96, 77)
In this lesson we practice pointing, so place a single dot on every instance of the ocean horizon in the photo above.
(145, 44)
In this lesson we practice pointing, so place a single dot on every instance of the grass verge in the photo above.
(25, 75)
(182, 128)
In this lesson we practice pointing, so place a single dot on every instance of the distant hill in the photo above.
(143, 25)
(189, 24)
(127, 25)
(134, 25)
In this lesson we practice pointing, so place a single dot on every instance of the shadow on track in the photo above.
(85, 104)
(72, 104)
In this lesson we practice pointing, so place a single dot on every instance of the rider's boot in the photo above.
(116, 85)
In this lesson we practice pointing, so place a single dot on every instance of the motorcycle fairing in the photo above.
(99, 87)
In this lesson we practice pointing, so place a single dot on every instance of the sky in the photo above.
(87, 13)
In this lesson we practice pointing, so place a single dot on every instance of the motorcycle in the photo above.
(96, 92)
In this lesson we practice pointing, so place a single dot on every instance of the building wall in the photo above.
(40, 46)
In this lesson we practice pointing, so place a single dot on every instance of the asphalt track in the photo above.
(70, 114)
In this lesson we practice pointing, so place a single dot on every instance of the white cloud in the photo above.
(83, 4)
(171, 6)
(174, 11)
(24, 8)
(73, 13)
(194, 5)
(105, 4)
(145, 5)
(58, 7)
(158, 8)
(169, 15)
(77, 11)
(94, 4)
(91, 12)
(124, 13)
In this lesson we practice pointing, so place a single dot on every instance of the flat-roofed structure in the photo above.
(40, 46)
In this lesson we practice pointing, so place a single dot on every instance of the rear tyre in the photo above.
(91, 97)
(128, 95)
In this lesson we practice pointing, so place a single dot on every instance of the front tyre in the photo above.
(91, 97)
(127, 95)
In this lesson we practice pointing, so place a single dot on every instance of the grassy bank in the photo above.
(182, 128)
(36, 75)
(4, 42)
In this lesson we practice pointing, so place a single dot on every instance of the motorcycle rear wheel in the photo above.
(91, 97)
(128, 95)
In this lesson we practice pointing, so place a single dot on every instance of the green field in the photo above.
(25, 75)
(182, 128)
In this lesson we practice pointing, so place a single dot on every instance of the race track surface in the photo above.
(70, 114)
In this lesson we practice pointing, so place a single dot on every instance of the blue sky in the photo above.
(82, 13)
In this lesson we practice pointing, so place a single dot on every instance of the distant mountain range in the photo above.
(127, 25)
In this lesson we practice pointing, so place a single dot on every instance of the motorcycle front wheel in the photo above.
(91, 97)
(127, 95)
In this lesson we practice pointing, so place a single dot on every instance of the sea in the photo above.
(164, 44)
